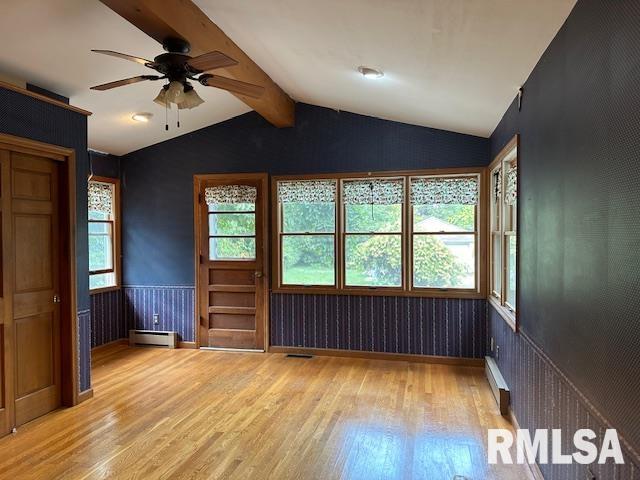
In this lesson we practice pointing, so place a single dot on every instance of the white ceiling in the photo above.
(450, 64)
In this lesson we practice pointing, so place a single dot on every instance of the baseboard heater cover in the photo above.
(498, 385)
(154, 338)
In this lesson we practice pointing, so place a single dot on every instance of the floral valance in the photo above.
(230, 194)
(497, 184)
(373, 192)
(100, 197)
(459, 191)
(307, 191)
(511, 186)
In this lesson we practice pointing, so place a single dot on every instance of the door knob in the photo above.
(258, 274)
(56, 299)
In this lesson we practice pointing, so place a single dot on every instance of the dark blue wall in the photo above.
(579, 201)
(157, 182)
(28, 117)
(104, 165)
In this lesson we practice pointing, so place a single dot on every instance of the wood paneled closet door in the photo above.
(31, 280)
(232, 228)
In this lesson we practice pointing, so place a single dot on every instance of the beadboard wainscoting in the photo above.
(543, 397)
(175, 306)
(107, 318)
(411, 325)
(84, 350)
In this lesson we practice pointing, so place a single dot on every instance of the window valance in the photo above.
(307, 191)
(230, 194)
(511, 186)
(497, 184)
(373, 192)
(458, 191)
(100, 197)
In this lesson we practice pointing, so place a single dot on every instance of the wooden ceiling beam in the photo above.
(183, 19)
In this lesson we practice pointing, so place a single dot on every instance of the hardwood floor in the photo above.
(178, 414)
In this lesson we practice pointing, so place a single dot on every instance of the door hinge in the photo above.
(200, 259)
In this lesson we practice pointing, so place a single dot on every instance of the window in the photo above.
(103, 233)
(410, 233)
(445, 233)
(503, 199)
(307, 216)
(232, 222)
(373, 232)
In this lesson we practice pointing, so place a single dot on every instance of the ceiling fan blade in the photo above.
(126, 81)
(231, 85)
(211, 61)
(124, 56)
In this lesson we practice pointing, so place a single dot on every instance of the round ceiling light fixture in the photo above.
(371, 73)
(142, 117)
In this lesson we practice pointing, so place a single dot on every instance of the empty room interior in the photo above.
(320, 239)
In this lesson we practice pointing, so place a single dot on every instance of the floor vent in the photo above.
(498, 385)
(153, 338)
(298, 355)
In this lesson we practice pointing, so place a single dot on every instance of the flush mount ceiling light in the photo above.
(142, 117)
(371, 73)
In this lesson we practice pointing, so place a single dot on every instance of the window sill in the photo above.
(386, 292)
(507, 315)
(104, 289)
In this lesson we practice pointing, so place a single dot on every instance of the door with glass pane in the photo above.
(232, 249)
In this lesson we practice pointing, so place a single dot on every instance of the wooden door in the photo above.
(36, 302)
(232, 220)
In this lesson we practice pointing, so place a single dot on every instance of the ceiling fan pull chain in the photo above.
(166, 117)
(178, 117)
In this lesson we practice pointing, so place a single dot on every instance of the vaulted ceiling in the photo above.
(450, 64)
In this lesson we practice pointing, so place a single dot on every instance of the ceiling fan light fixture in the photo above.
(191, 100)
(175, 92)
(143, 117)
(161, 99)
(370, 73)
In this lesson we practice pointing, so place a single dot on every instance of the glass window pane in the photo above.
(373, 218)
(95, 215)
(511, 270)
(232, 224)
(102, 280)
(496, 256)
(308, 260)
(444, 261)
(99, 228)
(444, 218)
(100, 252)
(232, 248)
(308, 217)
(373, 260)
(231, 207)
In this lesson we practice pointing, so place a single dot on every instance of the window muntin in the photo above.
(444, 232)
(231, 222)
(307, 226)
(102, 234)
(373, 251)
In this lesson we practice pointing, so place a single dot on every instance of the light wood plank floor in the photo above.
(175, 414)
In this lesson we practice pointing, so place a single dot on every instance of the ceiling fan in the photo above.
(177, 68)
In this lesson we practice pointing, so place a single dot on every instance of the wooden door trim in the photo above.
(198, 180)
(70, 394)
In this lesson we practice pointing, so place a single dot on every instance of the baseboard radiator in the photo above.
(153, 338)
(498, 385)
